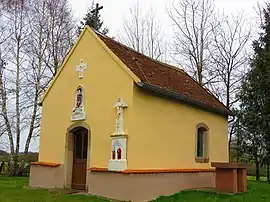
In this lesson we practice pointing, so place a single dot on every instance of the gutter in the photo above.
(177, 96)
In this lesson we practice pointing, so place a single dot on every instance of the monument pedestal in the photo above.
(230, 177)
(118, 161)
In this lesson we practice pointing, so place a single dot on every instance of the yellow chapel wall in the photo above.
(104, 80)
(166, 136)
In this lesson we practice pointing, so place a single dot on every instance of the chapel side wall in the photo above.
(104, 80)
(164, 132)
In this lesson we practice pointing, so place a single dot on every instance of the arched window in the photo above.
(201, 142)
(202, 139)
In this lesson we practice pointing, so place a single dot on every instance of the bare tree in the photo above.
(6, 127)
(15, 16)
(193, 22)
(143, 33)
(40, 35)
(35, 72)
(259, 11)
(52, 34)
(230, 58)
(4, 35)
(62, 32)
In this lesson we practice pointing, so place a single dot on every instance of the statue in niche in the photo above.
(113, 153)
(78, 110)
(119, 153)
(79, 100)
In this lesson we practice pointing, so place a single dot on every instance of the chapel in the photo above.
(119, 124)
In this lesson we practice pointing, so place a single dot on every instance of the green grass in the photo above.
(262, 178)
(15, 189)
(257, 192)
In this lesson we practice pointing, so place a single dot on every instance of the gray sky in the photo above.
(115, 11)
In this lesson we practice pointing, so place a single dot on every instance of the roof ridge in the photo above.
(129, 50)
(139, 66)
(154, 60)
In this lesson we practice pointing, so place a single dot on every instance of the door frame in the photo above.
(69, 152)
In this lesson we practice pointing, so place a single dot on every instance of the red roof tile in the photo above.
(162, 75)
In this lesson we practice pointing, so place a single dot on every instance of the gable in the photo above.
(104, 80)
(153, 75)
(88, 30)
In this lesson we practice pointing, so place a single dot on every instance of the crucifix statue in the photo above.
(95, 11)
(120, 105)
(81, 68)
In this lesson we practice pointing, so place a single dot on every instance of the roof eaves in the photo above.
(185, 99)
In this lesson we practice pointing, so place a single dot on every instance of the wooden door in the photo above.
(80, 159)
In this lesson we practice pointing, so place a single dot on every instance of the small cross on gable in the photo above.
(81, 68)
(120, 103)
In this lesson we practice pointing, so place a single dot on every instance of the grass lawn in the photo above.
(254, 178)
(14, 189)
(257, 191)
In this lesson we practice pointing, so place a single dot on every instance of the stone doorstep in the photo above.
(70, 191)
(85, 193)
(79, 192)
(204, 189)
(65, 191)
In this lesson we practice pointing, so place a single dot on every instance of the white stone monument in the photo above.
(118, 159)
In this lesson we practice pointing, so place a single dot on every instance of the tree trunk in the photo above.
(230, 140)
(6, 119)
(268, 177)
(237, 148)
(18, 114)
(1, 167)
(12, 164)
(257, 170)
(202, 41)
(35, 104)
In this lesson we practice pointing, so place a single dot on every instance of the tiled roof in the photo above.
(163, 76)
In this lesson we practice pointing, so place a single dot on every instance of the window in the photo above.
(201, 145)
(200, 142)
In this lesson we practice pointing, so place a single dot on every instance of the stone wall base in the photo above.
(144, 187)
(44, 176)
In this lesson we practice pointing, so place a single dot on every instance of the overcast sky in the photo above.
(115, 11)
